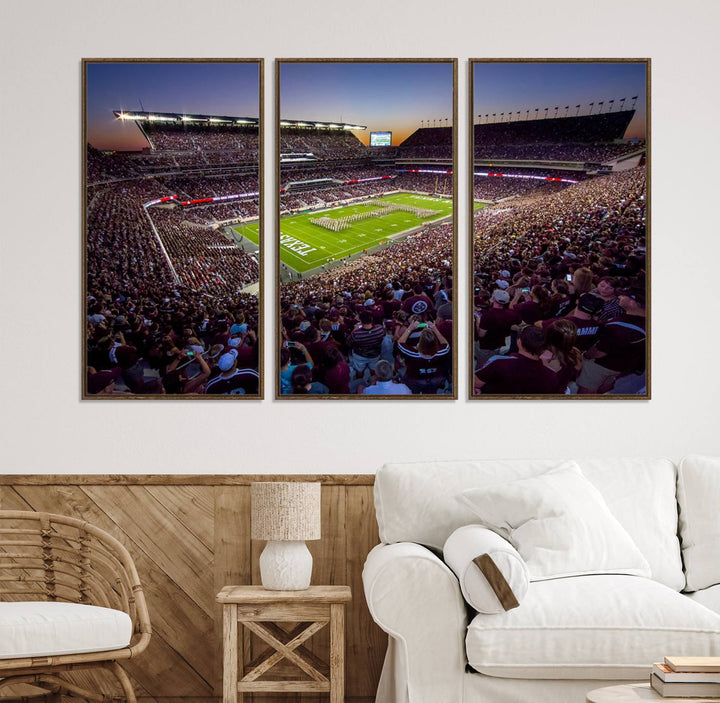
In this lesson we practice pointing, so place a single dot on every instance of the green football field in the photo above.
(305, 246)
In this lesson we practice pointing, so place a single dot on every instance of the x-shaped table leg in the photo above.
(273, 635)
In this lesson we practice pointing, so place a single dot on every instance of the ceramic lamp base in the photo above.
(286, 566)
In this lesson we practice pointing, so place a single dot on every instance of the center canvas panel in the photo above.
(366, 232)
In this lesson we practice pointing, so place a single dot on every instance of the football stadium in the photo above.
(172, 300)
(559, 252)
(366, 260)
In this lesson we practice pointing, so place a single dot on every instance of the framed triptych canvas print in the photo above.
(365, 229)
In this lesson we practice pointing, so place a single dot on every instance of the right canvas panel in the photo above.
(560, 228)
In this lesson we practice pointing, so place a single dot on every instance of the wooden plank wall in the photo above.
(189, 537)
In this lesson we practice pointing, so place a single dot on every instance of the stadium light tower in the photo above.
(556, 110)
(611, 104)
(591, 107)
(622, 103)
(446, 121)
(527, 115)
(577, 110)
(546, 110)
(634, 99)
(601, 103)
(536, 112)
(567, 107)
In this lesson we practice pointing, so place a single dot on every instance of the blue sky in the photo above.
(512, 87)
(211, 88)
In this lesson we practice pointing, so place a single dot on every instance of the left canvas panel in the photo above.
(172, 154)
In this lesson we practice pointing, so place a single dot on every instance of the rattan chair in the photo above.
(46, 557)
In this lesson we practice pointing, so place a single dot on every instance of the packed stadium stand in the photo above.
(172, 302)
(379, 322)
(559, 257)
(171, 297)
(564, 216)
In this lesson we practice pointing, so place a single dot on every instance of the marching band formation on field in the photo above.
(341, 223)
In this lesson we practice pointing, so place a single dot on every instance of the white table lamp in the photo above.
(286, 513)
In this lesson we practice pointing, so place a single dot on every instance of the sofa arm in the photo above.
(416, 599)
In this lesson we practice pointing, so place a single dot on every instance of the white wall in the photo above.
(47, 429)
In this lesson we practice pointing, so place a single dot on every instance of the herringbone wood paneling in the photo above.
(189, 537)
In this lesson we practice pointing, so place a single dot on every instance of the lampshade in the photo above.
(283, 511)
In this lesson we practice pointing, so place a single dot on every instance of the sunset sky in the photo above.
(386, 97)
(208, 88)
(512, 87)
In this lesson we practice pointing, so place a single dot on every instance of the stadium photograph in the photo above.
(172, 153)
(559, 266)
(366, 230)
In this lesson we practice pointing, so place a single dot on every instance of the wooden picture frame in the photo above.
(564, 195)
(364, 82)
(172, 304)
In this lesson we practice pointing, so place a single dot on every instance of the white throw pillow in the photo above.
(493, 576)
(559, 523)
(699, 499)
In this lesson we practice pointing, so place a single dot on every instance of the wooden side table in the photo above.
(258, 610)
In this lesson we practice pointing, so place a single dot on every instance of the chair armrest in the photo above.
(416, 599)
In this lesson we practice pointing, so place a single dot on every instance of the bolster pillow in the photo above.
(493, 576)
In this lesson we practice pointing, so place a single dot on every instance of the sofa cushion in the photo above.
(709, 597)
(40, 629)
(416, 502)
(493, 577)
(560, 524)
(607, 627)
(698, 499)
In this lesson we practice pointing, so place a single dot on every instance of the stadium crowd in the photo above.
(241, 143)
(148, 332)
(322, 143)
(560, 290)
(581, 152)
(203, 258)
(339, 325)
(493, 188)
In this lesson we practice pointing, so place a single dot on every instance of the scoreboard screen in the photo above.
(380, 138)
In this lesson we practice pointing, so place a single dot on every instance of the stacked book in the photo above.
(687, 677)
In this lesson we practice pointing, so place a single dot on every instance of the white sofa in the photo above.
(568, 635)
